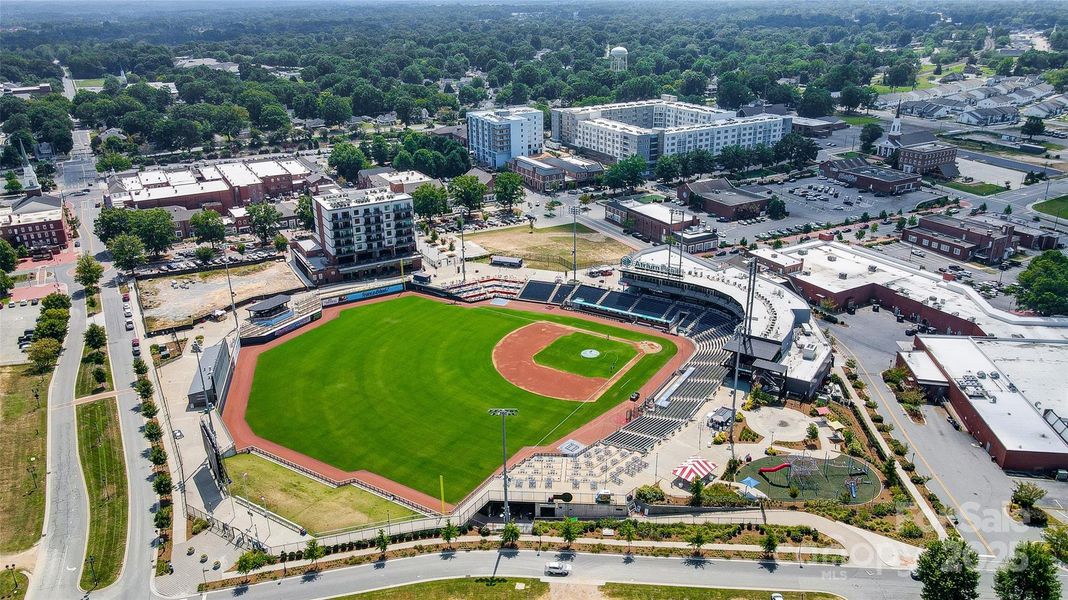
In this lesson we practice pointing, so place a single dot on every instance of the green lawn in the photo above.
(313, 505)
(401, 388)
(979, 189)
(23, 431)
(859, 120)
(632, 591)
(8, 591)
(81, 83)
(100, 451)
(565, 354)
(479, 588)
(86, 385)
(1057, 207)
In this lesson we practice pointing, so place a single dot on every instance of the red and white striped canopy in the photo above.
(695, 467)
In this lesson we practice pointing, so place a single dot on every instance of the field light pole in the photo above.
(504, 413)
(463, 249)
(574, 210)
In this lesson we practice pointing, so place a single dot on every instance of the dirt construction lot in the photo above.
(168, 302)
(550, 247)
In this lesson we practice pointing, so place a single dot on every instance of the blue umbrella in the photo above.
(750, 482)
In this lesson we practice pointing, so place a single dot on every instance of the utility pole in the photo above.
(504, 413)
(574, 210)
(463, 248)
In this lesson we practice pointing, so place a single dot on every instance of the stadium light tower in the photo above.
(574, 210)
(504, 413)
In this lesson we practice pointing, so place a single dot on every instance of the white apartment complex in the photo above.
(655, 128)
(497, 136)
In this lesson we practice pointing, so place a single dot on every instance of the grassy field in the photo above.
(1058, 207)
(86, 385)
(81, 83)
(100, 451)
(632, 591)
(479, 588)
(550, 248)
(565, 354)
(979, 189)
(8, 591)
(23, 431)
(401, 388)
(777, 485)
(315, 506)
(859, 120)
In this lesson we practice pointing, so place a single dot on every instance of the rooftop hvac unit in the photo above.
(981, 374)
(803, 252)
(806, 272)
(994, 375)
(872, 268)
(842, 275)
(832, 257)
(993, 399)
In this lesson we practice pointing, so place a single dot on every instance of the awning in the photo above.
(749, 482)
(835, 425)
(823, 411)
(695, 467)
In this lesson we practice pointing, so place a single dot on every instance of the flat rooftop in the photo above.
(172, 191)
(881, 173)
(776, 311)
(776, 257)
(825, 261)
(406, 177)
(238, 174)
(1015, 376)
(349, 197)
(504, 115)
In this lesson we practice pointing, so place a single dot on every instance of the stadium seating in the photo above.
(537, 291)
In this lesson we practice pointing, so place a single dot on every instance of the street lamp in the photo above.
(463, 249)
(263, 499)
(92, 568)
(504, 413)
(14, 581)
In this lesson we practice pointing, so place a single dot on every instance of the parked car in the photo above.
(126, 297)
(558, 568)
(129, 325)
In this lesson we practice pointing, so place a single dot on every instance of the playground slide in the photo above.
(773, 469)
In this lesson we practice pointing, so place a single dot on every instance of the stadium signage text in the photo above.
(655, 268)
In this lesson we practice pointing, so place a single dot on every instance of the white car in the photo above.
(776, 596)
(558, 568)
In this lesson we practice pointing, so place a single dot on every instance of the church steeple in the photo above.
(30, 184)
(895, 126)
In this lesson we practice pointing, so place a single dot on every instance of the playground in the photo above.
(814, 478)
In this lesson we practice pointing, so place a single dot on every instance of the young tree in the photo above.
(1056, 537)
(280, 242)
(769, 544)
(263, 219)
(508, 189)
(149, 409)
(88, 272)
(449, 532)
(947, 569)
(776, 208)
(95, 336)
(208, 227)
(628, 531)
(161, 484)
(43, 353)
(127, 251)
(569, 530)
(510, 534)
(157, 455)
(889, 469)
(1030, 574)
(468, 191)
(382, 541)
(697, 488)
(153, 432)
(143, 387)
(697, 540)
(813, 432)
(140, 367)
(313, 551)
(204, 253)
(1026, 494)
(250, 561)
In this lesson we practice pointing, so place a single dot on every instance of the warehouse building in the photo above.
(856, 172)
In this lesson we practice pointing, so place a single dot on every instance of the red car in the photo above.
(126, 297)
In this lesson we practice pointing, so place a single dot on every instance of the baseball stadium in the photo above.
(394, 392)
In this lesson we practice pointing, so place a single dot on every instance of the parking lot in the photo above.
(185, 260)
(14, 320)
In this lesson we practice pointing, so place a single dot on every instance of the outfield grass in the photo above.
(1057, 207)
(23, 432)
(860, 120)
(979, 189)
(100, 451)
(315, 506)
(634, 591)
(565, 354)
(86, 385)
(498, 588)
(401, 388)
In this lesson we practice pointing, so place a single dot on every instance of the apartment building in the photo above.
(655, 128)
(359, 234)
(495, 137)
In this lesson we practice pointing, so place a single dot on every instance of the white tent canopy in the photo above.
(694, 467)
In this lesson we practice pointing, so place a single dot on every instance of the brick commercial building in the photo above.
(653, 220)
(538, 175)
(220, 187)
(34, 221)
(962, 239)
(720, 198)
(1024, 236)
(856, 172)
(929, 158)
(1000, 390)
(359, 234)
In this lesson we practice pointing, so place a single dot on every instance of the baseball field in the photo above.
(401, 388)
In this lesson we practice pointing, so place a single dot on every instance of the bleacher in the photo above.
(561, 294)
(652, 307)
(618, 300)
(537, 291)
(588, 294)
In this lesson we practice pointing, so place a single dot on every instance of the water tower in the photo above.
(618, 55)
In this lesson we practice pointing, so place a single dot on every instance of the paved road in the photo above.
(852, 583)
(1007, 163)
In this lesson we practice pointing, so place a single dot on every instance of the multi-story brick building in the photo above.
(654, 221)
(35, 221)
(962, 239)
(720, 198)
(929, 158)
(538, 175)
